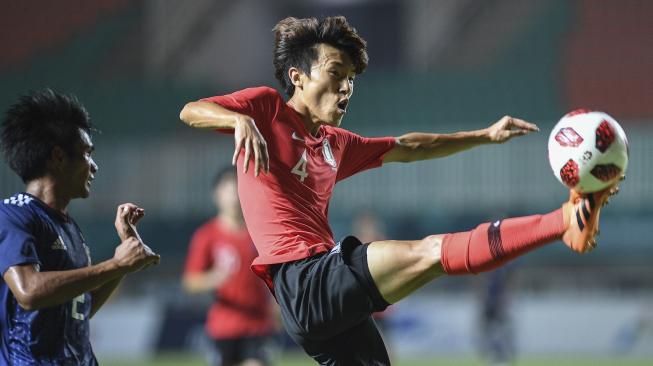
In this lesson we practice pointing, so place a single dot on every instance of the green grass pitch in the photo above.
(301, 360)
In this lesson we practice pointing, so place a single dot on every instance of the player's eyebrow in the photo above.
(340, 64)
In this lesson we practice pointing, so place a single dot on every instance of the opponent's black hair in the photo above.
(295, 45)
(35, 124)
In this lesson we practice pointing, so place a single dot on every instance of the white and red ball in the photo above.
(588, 150)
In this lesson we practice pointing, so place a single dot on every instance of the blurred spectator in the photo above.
(638, 331)
(240, 321)
(369, 227)
(497, 339)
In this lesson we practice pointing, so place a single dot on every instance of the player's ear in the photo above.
(57, 158)
(295, 76)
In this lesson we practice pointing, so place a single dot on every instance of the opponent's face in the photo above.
(79, 169)
(326, 91)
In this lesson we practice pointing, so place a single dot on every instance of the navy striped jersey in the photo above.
(33, 233)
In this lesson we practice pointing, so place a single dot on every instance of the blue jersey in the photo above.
(33, 233)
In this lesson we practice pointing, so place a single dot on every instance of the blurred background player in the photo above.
(368, 227)
(49, 287)
(241, 319)
(497, 340)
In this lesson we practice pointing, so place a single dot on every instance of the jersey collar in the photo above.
(303, 132)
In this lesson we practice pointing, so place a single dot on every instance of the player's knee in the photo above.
(428, 250)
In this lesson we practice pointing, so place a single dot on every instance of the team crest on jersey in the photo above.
(328, 154)
(18, 200)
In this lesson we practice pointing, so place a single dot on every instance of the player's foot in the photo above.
(581, 217)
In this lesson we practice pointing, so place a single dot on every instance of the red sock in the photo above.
(491, 245)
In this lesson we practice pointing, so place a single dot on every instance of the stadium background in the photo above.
(436, 66)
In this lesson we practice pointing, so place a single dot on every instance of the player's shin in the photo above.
(491, 245)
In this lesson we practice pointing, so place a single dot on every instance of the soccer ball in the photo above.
(588, 150)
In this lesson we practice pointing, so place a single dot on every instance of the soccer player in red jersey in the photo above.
(241, 318)
(326, 292)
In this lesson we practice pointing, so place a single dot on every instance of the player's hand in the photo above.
(127, 216)
(132, 255)
(248, 137)
(509, 127)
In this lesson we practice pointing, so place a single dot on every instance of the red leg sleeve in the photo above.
(491, 245)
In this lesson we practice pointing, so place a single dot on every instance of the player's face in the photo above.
(326, 92)
(80, 169)
(226, 196)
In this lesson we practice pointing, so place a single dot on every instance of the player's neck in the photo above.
(46, 190)
(231, 221)
(312, 125)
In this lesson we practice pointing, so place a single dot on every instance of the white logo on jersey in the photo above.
(18, 200)
(335, 249)
(296, 137)
(74, 313)
(59, 244)
(226, 258)
(328, 154)
(88, 253)
(496, 223)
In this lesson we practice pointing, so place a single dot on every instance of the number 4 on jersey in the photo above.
(300, 167)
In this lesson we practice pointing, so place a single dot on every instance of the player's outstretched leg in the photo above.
(399, 268)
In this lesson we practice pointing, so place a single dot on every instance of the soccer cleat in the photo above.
(581, 217)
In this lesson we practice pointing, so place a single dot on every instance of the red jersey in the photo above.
(243, 304)
(286, 210)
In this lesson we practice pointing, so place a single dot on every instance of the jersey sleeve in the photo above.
(200, 257)
(17, 243)
(261, 103)
(361, 153)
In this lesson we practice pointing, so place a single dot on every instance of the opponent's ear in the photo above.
(57, 158)
(295, 76)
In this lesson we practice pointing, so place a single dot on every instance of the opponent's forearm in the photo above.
(207, 115)
(421, 146)
(101, 294)
(35, 290)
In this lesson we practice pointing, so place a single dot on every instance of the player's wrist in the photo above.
(242, 119)
(114, 268)
(485, 136)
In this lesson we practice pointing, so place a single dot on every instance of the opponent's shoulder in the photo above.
(19, 207)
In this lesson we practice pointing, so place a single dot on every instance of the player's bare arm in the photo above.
(422, 146)
(206, 115)
(127, 217)
(34, 289)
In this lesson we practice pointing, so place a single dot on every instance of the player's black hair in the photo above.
(296, 40)
(35, 124)
(222, 174)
